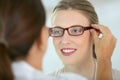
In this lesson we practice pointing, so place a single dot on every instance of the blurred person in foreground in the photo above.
(23, 41)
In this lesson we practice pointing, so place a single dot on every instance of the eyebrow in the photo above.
(70, 26)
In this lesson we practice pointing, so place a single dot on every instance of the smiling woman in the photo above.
(75, 45)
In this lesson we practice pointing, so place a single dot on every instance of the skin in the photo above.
(37, 52)
(82, 61)
(103, 54)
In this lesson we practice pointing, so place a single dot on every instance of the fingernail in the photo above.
(93, 25)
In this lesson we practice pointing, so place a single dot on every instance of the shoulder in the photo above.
(71, 76)
(116, 74)
(23, 71)
(18, 67)
(56, 72)
(59, 74)
(19, 70)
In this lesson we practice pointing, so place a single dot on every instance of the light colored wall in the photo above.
(109, 15)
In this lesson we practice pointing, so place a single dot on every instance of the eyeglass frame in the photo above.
(83, 29)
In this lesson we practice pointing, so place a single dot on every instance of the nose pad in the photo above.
(65, 38)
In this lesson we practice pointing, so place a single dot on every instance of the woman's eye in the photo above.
(57, 32)
(76, 30)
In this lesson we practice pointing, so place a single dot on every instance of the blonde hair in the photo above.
(81, 5)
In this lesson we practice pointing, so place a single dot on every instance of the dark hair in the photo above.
(83, 6)
(21, 22)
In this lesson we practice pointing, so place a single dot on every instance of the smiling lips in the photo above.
(68, 51)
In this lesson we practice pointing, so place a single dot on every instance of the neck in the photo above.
(35, 57)
(86, 69)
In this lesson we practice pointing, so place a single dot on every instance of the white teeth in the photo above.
(68, 51)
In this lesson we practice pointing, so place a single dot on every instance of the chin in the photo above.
(70, 61)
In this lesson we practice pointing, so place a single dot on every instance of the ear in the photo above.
(44, 34)
(44, 38)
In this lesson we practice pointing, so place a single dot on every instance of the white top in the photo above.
(116, 74)
(23, 71)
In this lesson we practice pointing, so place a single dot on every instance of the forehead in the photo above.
(66, 18)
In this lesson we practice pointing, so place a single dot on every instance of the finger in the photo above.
(94, 26)
(95, 36)
(102, 28)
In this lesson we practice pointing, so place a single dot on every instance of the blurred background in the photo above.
(109, 15)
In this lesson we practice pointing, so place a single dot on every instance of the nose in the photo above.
(65, 38)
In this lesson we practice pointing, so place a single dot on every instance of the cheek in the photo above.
(83, 47)
(84, 43)
(56, 43)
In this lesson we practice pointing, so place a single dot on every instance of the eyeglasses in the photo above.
(75, 30)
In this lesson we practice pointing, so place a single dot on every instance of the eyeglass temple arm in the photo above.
(97, 30)
(49, 31)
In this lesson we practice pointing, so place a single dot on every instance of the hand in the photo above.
(104, 46)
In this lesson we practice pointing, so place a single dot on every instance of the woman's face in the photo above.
(72, 49)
